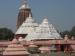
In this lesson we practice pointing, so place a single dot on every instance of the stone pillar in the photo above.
(66, 38)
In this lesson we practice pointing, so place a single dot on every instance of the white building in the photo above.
(45, 30)
(33, 30)
(36, 31)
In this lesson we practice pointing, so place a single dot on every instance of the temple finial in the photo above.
(25, 4)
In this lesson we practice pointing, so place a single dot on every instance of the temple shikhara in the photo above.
(43, 37)
(24, 11)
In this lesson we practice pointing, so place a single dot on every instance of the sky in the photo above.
(61, 13)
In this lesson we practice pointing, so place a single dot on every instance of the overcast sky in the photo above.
(61, 13)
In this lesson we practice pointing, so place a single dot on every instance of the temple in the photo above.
(15, 49)
(24, 11)
(44, 31)
(28, 26)
(32, 37)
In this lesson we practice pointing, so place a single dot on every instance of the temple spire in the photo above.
(24, 5)
(24, 11)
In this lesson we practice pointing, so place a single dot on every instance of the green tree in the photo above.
(6, 34)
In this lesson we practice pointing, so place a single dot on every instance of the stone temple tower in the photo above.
(24, 12)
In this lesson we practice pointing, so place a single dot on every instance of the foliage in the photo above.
(72, 31)
(6, 34)
(65, 33)
(69, 33)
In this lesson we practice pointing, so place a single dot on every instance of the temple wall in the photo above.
(15, 55)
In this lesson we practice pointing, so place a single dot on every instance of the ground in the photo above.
(54, 54)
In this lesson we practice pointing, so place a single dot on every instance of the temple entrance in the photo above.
(62, 47)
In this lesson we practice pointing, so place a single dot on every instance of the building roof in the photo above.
(4, 43)
(44, 48)
(15, 49)
(44, 31)
(15, 53)
(28, 26)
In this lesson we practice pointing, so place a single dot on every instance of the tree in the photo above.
(65, 33)
(6, 34)
(69, 33)
(72, 32)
